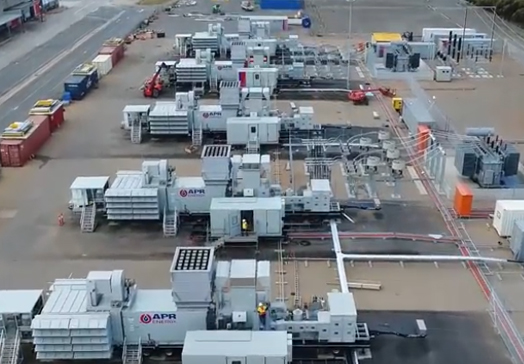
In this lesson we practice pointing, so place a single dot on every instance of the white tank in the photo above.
(383, 135)
(398, 165)
(372, 161)
(392, 153)
(388, 144)
(365, 141)
(298, 314)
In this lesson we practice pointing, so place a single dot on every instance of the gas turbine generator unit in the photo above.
(231, 188)
(92, 318)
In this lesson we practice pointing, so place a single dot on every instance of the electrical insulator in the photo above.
(265, 59)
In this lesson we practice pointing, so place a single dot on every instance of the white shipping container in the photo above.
(240, 130)
(103, 63)
(506, 213)
(428, 34)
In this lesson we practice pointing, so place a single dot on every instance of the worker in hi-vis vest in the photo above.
(245, 227)
(262, 313)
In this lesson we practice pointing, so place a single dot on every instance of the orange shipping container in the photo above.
(463, 202)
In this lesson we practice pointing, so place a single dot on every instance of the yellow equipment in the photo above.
(396, 102)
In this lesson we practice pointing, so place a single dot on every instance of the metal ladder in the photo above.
(136, 131)
(132, 354)
(213, 84)
(87, 219)
(276, 170)
(170, 223)
(10, 346)
(196, 137)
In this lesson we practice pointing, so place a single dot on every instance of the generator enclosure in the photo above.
(267, 213)
(242, 130)
(505, 215)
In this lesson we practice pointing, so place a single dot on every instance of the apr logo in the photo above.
(192, 192)
(157, 318)
(214, 114)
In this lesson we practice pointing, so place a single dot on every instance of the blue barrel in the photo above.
(306, 22)
(66, 98)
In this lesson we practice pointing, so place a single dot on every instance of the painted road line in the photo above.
(420, 186)
(55, 61)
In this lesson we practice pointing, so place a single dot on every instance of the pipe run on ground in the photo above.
(341, 257)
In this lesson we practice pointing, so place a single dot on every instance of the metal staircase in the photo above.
(136, 131)
(132, 354)
(213, 83)
(170, 223)
(196, 137)
(253, 146)
(10, 346)
(87, 219)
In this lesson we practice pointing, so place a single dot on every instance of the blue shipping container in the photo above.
(77, 86)
(281, 4)
(93, 78)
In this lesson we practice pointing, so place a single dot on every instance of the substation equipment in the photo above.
(487, 159)
(231, 188)
(210, 303)
(390, 55)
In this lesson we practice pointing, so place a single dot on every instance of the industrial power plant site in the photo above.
(261, 182)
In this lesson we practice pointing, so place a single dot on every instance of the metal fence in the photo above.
(507, 330)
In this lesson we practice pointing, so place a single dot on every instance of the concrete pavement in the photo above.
(120, 22)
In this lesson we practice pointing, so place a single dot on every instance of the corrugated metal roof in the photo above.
(246, 203)
(89, 183)
(128, 182)
(64, 300)
(164, 109)
(235, 343)
(139, 192)
(19, 301)
(243, 268)
(93, 321)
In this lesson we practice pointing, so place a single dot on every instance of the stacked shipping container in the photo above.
(114, 47)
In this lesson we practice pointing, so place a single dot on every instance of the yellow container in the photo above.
(386, 37)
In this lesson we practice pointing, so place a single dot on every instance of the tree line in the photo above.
(512, 10)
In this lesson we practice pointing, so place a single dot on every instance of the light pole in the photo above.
(350, 26)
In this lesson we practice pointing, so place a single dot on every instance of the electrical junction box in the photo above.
(443, 74)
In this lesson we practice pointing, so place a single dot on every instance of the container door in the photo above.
(257, 80)
(273, 222)
(15, 159)
(253, 132)
(234, 225)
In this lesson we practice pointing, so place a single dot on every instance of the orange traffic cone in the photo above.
(61, 220)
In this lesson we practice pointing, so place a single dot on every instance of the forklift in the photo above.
(162, 79)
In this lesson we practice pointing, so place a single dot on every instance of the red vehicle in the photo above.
(154, 86)
(359, 97)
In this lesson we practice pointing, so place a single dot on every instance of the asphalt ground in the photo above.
(49, 83)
